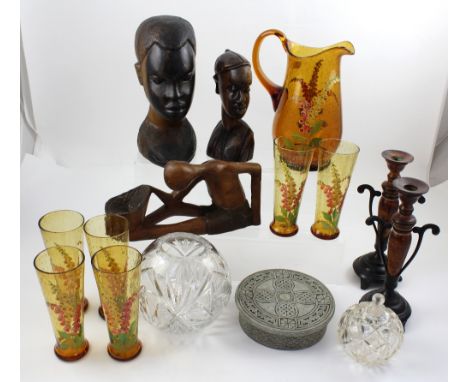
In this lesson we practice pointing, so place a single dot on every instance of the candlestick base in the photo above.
(369, 269)
(396, 302)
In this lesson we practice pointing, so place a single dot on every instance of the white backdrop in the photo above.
(88, 104)
(88, 107)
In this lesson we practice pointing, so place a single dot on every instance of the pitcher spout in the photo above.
(302, 51)
(345, 47)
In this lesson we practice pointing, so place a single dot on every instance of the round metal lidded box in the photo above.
(284, 309)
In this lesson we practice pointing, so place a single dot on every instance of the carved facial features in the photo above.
(234, 88)
(168, 78)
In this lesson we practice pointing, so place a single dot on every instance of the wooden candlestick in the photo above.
(399, 242)
(369, 267)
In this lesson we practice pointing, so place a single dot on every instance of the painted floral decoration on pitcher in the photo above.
(312, 104)
(290, 197)
(334, 196)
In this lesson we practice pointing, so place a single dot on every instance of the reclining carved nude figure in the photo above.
(229, 210)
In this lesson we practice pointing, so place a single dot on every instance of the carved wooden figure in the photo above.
(229, 210)
(232, 139)
(165, 48)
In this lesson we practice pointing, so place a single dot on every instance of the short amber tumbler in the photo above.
(104, 231)
(336, 161)
(61, 274)
(292, 162)
(117, 273)
(63, 227)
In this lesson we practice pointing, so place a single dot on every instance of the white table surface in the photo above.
(222, 351)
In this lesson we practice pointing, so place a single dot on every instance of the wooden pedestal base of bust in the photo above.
(161, 144)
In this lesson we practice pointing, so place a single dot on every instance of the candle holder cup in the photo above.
(292, 162)
(336, 160)
(117, 273)
(105, 231)
(399, 241)
(63, 228)
(61, 274)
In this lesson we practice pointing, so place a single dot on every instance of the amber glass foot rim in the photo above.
(101, 313)
(85, 304)
(129, 358)
(324, 237)
(74, 357)
(292, 233)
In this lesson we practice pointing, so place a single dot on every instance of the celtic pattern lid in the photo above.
(285, 301)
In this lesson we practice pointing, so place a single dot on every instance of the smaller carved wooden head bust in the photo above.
(233, 77)
(232, 139)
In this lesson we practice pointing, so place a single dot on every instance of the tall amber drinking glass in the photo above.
(117, 273)
(292, 162)
(63, 228)
(336, 161)
(61, 274)
(104, 231)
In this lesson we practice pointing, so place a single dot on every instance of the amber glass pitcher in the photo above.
(308, 105)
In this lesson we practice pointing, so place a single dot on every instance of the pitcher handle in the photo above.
(272, 88)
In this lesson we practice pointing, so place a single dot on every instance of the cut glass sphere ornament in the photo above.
(370, 332)
(185, 283)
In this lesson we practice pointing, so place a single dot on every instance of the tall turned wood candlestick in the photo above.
(399, 242)
(369, 267)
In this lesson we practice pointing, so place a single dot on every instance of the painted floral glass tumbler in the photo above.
(60, 270)
(63, 228)
(292, 162)
(105, 231)
(336, 159)
(117, 273)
